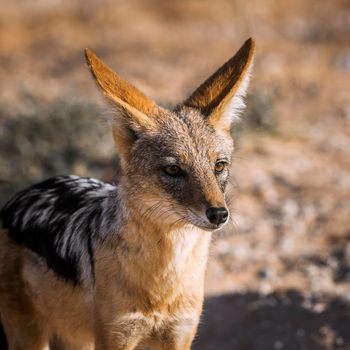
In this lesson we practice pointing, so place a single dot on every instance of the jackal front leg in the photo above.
(178, 335)
(123, 333)
(23, 332)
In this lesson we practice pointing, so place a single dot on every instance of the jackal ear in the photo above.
(220, 97)
(134, 111)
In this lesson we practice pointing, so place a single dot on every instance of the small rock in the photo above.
(300, 333)
(278, 344)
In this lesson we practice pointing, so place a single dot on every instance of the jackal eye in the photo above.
(173, 170)
(220, 166)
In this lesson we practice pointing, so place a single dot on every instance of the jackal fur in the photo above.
(89, 265)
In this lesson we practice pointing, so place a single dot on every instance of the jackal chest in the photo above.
(175, 260)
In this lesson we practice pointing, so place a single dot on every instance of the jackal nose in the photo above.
(217, 216)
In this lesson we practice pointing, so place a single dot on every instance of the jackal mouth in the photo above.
(197, 220)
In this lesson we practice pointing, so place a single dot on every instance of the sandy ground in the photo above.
(281, 278)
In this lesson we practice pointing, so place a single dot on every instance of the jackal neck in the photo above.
(159, 260)
(164, 244)
(163, 264)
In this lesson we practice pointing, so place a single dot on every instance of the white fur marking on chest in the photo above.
(185, 241)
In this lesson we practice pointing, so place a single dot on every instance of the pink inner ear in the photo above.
(116, 88)
(220, 87)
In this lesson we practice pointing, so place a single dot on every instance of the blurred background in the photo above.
(281, 279)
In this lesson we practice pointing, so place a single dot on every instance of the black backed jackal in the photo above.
(88, 265)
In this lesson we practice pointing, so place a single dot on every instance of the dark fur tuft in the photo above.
(60, 219)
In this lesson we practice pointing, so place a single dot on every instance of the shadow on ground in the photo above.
(276, 321)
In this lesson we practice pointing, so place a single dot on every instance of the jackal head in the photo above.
(176, 163)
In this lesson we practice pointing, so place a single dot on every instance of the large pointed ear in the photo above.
(134, 111)
(220, 97)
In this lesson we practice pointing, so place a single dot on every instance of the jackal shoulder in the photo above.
(61, 219)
